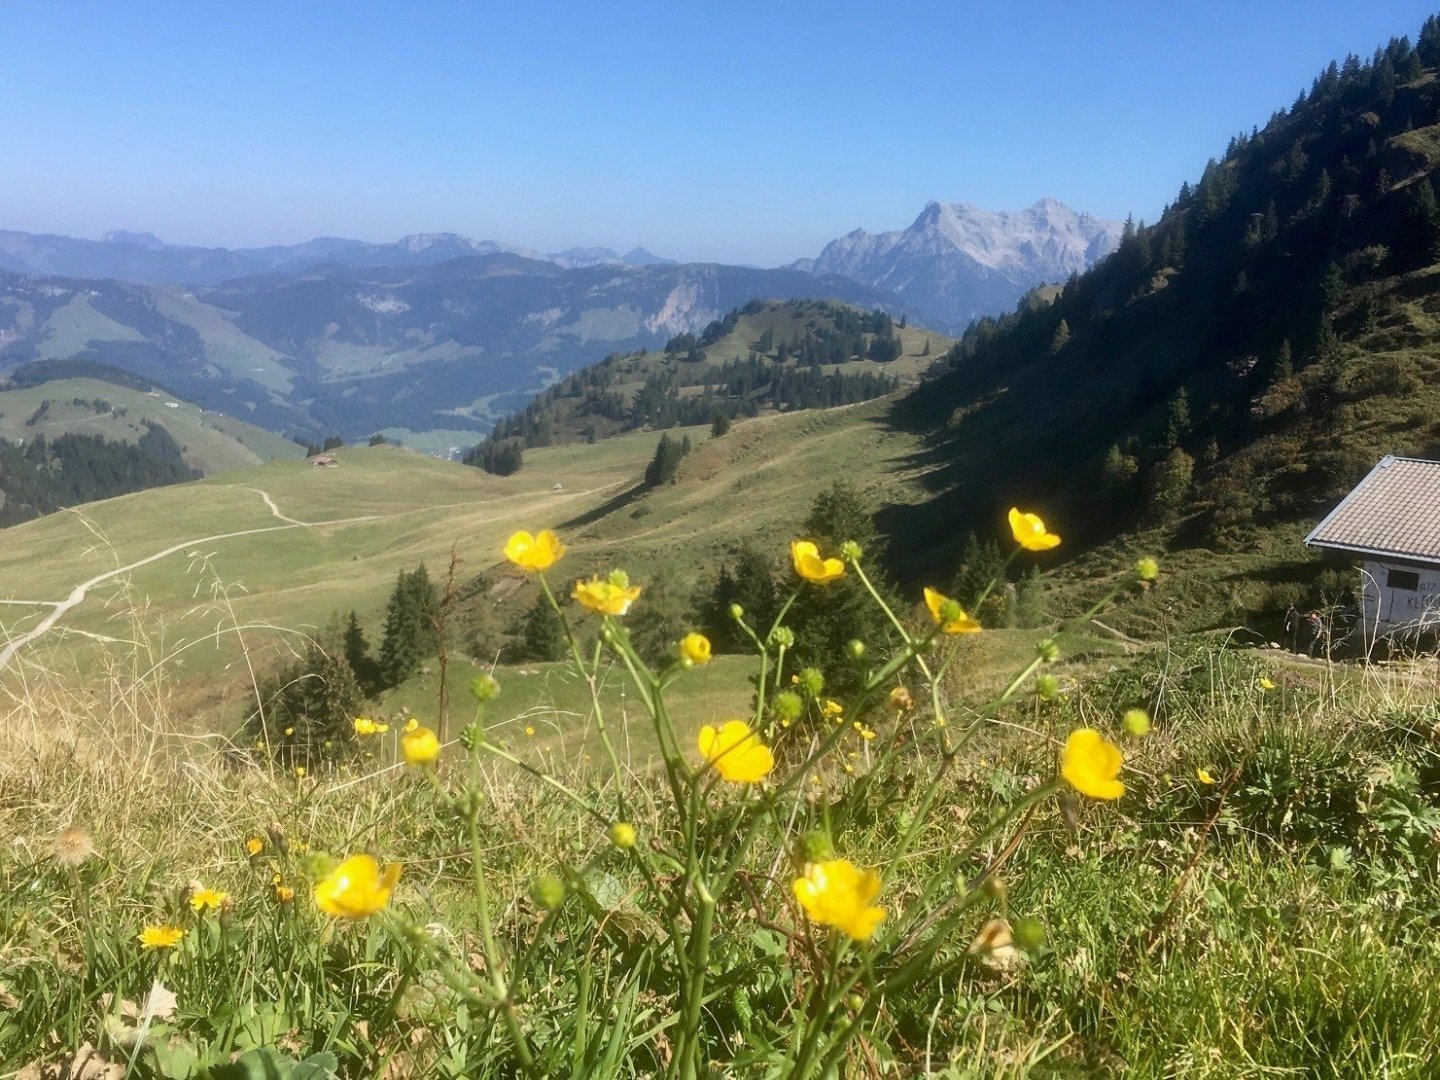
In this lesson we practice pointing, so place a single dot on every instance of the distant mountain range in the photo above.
(448, 346)
(144, 257)
(957, 262)
(438, 332)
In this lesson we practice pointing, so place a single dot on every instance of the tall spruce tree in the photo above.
(410, 633)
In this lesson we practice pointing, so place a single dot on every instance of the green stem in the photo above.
(492, 952)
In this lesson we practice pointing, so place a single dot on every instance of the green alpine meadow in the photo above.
(1003, 646)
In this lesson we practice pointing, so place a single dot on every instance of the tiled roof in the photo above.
(1395, 510)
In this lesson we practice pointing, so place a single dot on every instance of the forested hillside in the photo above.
(766, 356)
(1233, 367)
(45, 475)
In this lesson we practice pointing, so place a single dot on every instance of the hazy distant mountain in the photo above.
(409, 345)
(144, 257)
(957, 261)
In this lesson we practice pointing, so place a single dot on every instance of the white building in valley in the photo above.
(1391, 523)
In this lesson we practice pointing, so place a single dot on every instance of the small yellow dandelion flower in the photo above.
(805, 555)
(1266, 683)
(695, 648)
(534, 553)
(736, 752)
(254, 846)
(421, 746)
(867, 734)
(1204, 776)
(949, 615)
(606, 597)
(300, 772)
(1092, 764)
(159, 937)
(203, 900)
(289, 731)
(365, 726)
(1030, 532)
(357, 888)
(838, 893)
(284, 894)
(529, 729)
(410, 725)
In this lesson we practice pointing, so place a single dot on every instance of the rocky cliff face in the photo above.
(956, 261)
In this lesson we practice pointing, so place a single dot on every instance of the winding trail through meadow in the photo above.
(78, 593)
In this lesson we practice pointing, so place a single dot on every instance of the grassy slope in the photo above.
(757, 482)
(212, 442)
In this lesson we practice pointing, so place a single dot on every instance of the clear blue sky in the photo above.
(744, 132)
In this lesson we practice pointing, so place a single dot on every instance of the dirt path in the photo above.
(275, 509)
(78, 593)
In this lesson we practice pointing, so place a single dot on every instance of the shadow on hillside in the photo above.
(610, 506)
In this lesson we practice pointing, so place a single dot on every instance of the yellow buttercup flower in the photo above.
(284, 894)
(357, 888)
(299, 772)
(159, 937)
(736, 752)
(203, 900)
(810, 566)
(831, 709)
(365, 726)
(606, 597)
(421, 746)
(1092, 764)
(1204, 777)
(1266, 683)
(695, 648)
(534, 553)
(837, 893)
(949, 615)
(410, 725)
(1030, 532)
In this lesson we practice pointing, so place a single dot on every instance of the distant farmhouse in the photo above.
(1391, 522)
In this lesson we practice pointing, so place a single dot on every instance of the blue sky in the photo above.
(738, 132)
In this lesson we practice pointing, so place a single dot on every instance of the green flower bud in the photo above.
(850, 551)
(782, 637)
(548, 891)
(856, 1002)
(1028, 932)
(622, 835)
(1147, 569)
(995, 888)
(472, 734)
(1047, 687)
(787, 706)
(856, 648)
(484, 688)
(816, 846)
(1048, 651)
(737, 612)
(1137, 722)
(619, 578)
(810, 681)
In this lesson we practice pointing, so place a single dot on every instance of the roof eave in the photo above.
(1377, 553)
